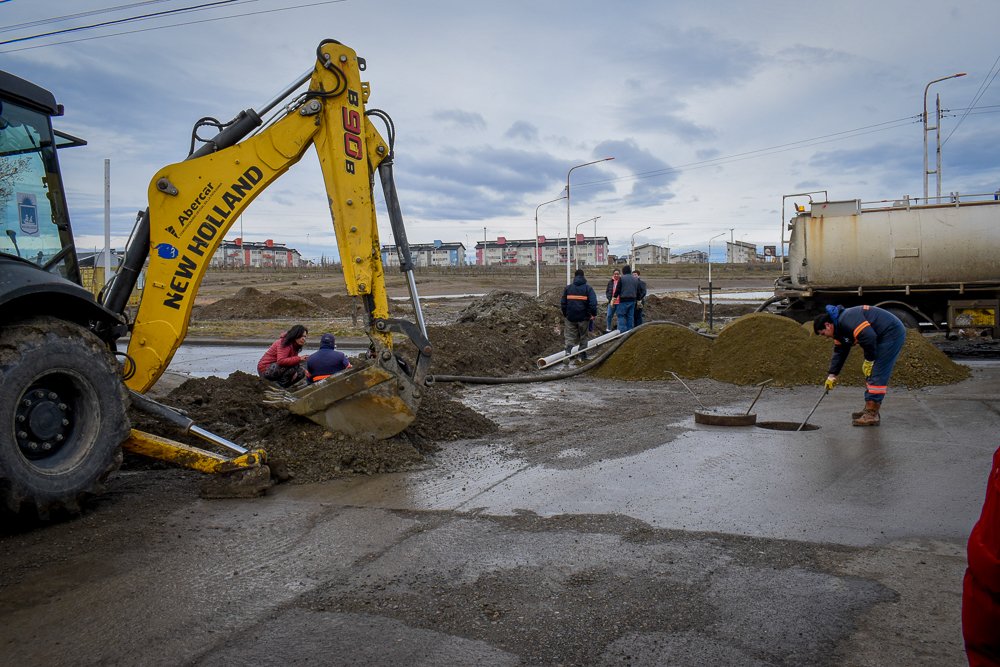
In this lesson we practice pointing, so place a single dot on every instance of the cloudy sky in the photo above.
(712, 110)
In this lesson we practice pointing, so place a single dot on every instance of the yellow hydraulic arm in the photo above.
(192, 204)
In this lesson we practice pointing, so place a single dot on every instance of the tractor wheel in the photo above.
(62, 417)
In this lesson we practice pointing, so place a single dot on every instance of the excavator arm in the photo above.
(193, 203)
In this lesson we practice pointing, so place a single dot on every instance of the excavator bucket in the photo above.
(375, 399)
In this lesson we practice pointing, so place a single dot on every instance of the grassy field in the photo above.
(475, 279)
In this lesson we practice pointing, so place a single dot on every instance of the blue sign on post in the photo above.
(27, 212)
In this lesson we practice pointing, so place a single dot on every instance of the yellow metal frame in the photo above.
(192, 204)
(171, 451)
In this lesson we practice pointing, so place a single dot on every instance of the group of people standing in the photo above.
(284, 364)
(626, 293)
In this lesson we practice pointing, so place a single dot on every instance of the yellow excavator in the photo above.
(63, 393)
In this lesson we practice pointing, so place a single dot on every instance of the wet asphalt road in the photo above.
(719, 547)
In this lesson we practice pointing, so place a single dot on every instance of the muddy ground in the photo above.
(305, 577)
(503, 334)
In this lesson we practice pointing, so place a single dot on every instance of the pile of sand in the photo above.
(652, 352)
(762, 346)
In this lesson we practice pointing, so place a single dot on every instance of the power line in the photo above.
(69, 17)
(987, 81)
(771, 150)
(128, 19)
(176, 25)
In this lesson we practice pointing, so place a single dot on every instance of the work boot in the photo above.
(857, 415)
(869, 416)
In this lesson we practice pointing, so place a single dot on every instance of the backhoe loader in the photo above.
(65, 387)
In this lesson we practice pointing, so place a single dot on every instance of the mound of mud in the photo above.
(250, 303)
(762, 346)
(652, 352)
(233, 408)
(501, 307)
(502, 333)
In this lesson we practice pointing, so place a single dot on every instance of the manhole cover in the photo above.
(787, 426)
(720, 419)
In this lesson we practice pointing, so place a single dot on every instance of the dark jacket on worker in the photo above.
(579, 300)
(640, 292)
(865, 325)
(609, 291)
(628, 286)
(326, 361)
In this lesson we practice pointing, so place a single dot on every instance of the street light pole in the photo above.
(576, 233)
(937, 129)
(567, 207)
(668, 246)
(538, 258)
(632, 253)
(711, 321)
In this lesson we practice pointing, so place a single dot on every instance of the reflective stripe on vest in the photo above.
(576, 297)
(861, 327)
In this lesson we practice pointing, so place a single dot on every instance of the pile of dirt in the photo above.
(233, 408)
(502, 333)
(250, 303)
(762, 346)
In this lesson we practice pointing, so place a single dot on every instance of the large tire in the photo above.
(908, 319)
(62, 417)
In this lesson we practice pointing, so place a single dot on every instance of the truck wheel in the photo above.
(62, 417)
(908, 319)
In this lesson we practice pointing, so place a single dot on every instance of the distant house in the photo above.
(437, 253)
(740, 252)
(263, 255)
(648, 253)
(690, 257)
(583, 250)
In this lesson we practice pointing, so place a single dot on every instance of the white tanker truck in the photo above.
(932, 264)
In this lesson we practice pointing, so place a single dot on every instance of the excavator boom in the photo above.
(193, 203)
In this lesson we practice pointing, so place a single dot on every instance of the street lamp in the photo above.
(632, 254)
(937, 131)
(576, 233)
(567, 207)
(538, 258)
(710, 304)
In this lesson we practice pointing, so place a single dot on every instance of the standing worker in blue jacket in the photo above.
(880, 334)
(579, 307)
(627, 291)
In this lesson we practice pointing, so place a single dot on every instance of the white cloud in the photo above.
(494, 102)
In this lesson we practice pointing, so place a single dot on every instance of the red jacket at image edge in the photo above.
(981, 589)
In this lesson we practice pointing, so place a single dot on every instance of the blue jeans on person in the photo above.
(611, 314)
(626, 315)
(886, 352)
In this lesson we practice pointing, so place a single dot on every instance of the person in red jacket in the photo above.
(281, 363)
(981, 588)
